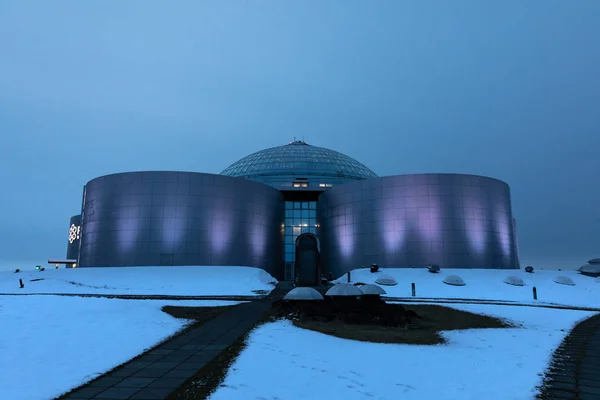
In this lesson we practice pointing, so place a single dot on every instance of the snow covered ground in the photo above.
(184, 281)
(52, 344)
(488, 284)
(503, 364)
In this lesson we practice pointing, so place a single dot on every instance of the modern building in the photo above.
(298, 211)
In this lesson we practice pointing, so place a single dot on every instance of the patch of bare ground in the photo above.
(198, 314)
(371, 321)
(376, 321)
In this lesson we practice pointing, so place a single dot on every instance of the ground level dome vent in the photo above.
(304, 294)
(386, 280)
(514, 280)
(370, 289)
(564, 280)
(454, 280)
(592, 270)
(343, 289)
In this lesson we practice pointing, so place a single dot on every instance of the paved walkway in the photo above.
(144, 296)
(160, 372)
(488, 302)
(574, 372)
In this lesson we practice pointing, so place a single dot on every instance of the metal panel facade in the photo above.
(455, 221)
(181, 218)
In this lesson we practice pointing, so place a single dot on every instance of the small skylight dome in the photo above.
(594, 261)
(386, 280)
(343, 289)
(564, 280)
(370, 289)
(529, 269)
(514, 280)
(303, 293)
(590, 270)
(454, 280)
(434, 269)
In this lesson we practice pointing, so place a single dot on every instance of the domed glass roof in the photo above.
(299, 159)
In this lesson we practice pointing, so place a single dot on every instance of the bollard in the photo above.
(348, 276)
(21, 283)
(534, 293)
(414, 289)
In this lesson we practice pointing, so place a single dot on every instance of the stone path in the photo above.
(160, 372)
(574, 372)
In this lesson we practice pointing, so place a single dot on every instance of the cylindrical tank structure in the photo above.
(181, 218)
(74, 237)
(452, 220)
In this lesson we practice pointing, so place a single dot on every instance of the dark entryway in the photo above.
(307, 260)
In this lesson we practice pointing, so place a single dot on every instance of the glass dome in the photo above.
(280, 166)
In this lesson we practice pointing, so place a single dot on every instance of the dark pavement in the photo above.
(161, 371)
(574, 371)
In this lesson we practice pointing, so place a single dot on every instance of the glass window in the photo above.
(312, 230)
(289, 248)
(297, 205)
(296, 231)
(312, 205)
(289, 257)
(297, 214)
(289, 213)
(288, 230)
(305, 205)
(312, 214)
(305, 214)
(289, 205)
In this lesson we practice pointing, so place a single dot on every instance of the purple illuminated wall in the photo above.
(181, 218)
(456, 221)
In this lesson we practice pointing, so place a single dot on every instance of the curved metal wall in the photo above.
(181, 218)
(456, 221)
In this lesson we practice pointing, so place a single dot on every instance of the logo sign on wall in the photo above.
(74, 232)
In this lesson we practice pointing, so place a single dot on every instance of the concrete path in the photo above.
(484, 301)
(160, 372)
(574, 372)
(144, 296)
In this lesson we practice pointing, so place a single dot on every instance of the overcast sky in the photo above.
(508, 89)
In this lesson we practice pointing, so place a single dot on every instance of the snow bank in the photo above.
(488, 284)
(184, 281)
(492, 364)
(52, 344)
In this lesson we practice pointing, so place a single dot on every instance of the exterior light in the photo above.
(74, 265)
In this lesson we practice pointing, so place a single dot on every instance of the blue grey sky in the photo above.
(508, 89)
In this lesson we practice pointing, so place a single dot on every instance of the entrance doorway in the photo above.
(307, 260)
